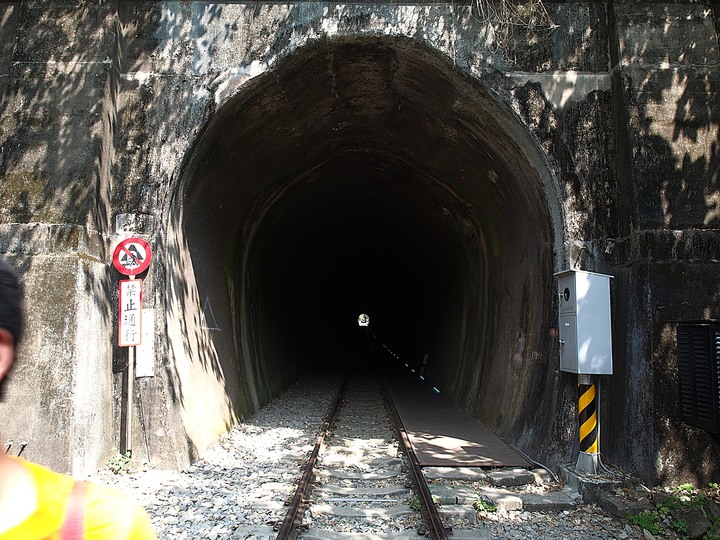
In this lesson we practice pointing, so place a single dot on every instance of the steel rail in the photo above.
(428, 508)
(288, 525)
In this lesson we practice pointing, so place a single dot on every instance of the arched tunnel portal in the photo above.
(368, 175)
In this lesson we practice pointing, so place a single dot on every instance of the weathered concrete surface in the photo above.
(268, 151)
(59, 400)
(668, 60)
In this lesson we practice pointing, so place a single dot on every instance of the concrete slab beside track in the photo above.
(443, 434)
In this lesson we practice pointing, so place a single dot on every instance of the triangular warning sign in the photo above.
(209, 322)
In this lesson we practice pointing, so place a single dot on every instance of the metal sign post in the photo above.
(131, 257)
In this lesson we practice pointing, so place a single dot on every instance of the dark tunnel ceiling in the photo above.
(379, 180)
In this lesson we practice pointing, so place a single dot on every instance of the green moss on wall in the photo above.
(21, 196)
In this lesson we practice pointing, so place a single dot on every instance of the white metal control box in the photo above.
(585, 329)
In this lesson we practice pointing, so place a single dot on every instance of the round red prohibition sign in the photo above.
(132, 256)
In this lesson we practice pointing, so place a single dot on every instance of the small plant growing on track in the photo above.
(481, 505)
(679, 526)
(414, 503)
(119, 464)
(648, 520)
(679, 504)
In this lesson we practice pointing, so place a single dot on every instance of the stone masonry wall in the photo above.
(101, 104)
(54, 156)
(668, 62)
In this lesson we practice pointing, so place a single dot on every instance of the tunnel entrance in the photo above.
(366, 175)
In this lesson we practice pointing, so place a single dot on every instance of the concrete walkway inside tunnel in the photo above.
(441, 433)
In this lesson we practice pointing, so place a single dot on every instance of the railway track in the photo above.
(360, 481)
(356, 485)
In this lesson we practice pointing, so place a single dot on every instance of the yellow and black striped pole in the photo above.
(588, 422)
(587, 413)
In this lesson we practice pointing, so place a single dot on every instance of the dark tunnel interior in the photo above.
(386, 183)
(353, 242)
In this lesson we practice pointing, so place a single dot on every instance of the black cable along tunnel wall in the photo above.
(366, 175)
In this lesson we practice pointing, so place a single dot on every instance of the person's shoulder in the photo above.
(43, 474)
(39, 500)
(53, 488)
(109, 513)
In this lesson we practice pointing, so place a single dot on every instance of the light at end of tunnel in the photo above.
(364, 319)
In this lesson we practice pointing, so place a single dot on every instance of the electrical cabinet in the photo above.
(584, 320)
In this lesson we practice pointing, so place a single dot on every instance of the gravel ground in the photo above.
(237, 490)
(240, 485)
(588, 522)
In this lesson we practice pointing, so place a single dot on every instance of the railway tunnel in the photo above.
(368, 175)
